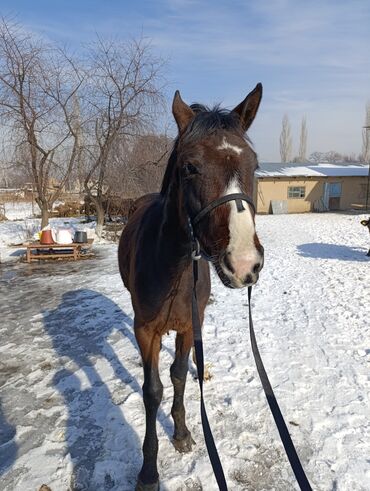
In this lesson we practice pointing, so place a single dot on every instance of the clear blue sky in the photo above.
(312, 57)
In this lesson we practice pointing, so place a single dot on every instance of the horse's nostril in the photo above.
(257, 268)
(228, 264)
(248, 279)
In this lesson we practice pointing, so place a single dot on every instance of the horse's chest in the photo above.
(175, 315)
(167, 309)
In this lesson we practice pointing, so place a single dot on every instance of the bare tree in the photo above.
(76, 178)
(37, 85)
(138, 167)
(285, 141)
(365, 154)
(123, 95)
(303, 141)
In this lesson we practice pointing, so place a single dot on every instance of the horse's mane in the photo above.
(205, 122)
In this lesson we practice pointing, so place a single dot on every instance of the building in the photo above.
(299, 188)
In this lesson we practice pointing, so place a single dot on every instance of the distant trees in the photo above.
(365, 154)
(316, 157)
(285, 141)
(332, 157)
(303, 141)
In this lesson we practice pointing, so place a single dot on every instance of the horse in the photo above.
(211, 159)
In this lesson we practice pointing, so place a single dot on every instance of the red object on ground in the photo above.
(46, 237)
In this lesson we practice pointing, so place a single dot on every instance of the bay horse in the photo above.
(211, 159)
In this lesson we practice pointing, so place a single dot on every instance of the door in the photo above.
(335, 192)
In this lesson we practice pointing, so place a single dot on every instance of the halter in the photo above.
(196, 252)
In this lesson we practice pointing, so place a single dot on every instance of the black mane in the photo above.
(206, 122)
(209, 120)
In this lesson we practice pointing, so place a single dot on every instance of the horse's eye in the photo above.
(190, 170)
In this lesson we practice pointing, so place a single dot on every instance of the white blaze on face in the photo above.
(241, 250)
(225, 145)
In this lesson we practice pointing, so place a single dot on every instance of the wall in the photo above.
(268, 189)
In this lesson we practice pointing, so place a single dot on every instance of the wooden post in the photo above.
(367, 128)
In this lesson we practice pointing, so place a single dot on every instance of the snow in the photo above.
(71, 413)
(312, 170)
(19, 210)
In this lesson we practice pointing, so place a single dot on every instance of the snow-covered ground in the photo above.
(71, 413)
(19, 210)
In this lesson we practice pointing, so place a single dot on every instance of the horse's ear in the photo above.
(182, 113)
(247, 109)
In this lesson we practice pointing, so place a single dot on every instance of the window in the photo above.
(296, 192)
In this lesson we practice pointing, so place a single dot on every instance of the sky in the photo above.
(312, 57)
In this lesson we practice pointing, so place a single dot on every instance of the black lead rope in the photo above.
(198, 346)
(271, 399)
(290, 450)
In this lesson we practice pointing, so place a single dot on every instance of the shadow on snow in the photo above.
(8, 446)
(332, 251)
(100, 441)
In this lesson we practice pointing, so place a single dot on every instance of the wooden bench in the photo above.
(36, 250)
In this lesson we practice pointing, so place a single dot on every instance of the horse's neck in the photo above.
(173, 240)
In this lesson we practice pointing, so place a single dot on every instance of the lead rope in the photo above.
(290, 450)
(198, 346)
(270, 396)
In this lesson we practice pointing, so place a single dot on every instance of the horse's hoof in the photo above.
(140, 486)
(184, 445)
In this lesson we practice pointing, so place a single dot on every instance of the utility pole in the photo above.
(367, 128)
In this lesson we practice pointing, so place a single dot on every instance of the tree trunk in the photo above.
(44, 216)
(100, 216)
(44, 208)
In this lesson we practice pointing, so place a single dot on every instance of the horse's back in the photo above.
(146, 199)
(129, 238)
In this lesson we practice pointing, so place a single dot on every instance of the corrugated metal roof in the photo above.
(323, 169)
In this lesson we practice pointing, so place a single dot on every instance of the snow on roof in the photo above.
(323, 169)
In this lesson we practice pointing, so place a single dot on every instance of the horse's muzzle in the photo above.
(240, 271)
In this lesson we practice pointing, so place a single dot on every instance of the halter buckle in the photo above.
(195, 253)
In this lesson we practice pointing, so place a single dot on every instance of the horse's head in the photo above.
(214, 159)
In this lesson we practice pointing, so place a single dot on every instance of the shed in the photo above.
(309, 187)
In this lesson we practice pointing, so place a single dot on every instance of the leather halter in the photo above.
(196, 252)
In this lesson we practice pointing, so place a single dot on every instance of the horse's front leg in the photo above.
(182, 439)
(150, 345)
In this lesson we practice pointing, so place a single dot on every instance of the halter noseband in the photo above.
(196, 252)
